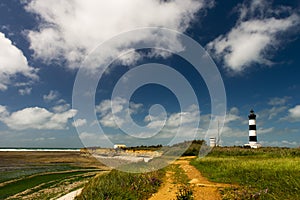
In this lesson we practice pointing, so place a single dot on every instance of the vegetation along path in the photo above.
(200, 186)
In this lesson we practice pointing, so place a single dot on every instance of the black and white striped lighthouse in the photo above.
(252, 130)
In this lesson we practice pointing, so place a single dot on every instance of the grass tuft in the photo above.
(185, 193)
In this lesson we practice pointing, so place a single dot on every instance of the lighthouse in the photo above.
(252, 128)
(252, 131)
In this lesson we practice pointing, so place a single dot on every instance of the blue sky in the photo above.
(254, 45)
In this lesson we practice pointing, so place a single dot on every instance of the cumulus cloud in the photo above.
(70, 29)
(13, 63)
(257, 30)
(36, 118)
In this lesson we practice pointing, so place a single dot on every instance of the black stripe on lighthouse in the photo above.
(252, 138)
(252, 127)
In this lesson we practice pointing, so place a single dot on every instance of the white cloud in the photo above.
(275, 111)
(183, 118)
(13, 63)
(36, 118)
(70, 29)
(25, 91)
(94, 139)
(61, 108)
(51, 96)
(79, 122)
(130, 58)
(168, 126)
(289, 143)
(278, 107)
(265, 130)
(256, 31)
(232, 115)
(283, 143)
(43, 139)
(277, 101)
(294, 113)
(3, 112)
(86, 135)
(156, 121)
(108, 119)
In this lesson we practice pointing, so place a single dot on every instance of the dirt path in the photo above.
(168, 189)
(202, 188)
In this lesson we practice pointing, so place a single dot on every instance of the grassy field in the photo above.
(120, 185)
(266, 173)
(43, 175)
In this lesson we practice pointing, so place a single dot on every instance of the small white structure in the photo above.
(212, 142)
(119, 146)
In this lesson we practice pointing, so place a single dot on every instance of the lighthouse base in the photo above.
(252, 146)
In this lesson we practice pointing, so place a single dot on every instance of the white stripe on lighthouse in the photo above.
(252, 132)
(251, 121)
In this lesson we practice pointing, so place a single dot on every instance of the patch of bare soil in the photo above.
(168, 189)
(202, 187)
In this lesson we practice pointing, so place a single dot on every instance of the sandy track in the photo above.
(168, 189)
(202, 188)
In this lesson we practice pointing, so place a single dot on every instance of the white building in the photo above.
(119, 146)
(212, 142)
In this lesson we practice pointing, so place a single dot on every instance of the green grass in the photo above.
(267, 173)
(30, 182)
(119, 185)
